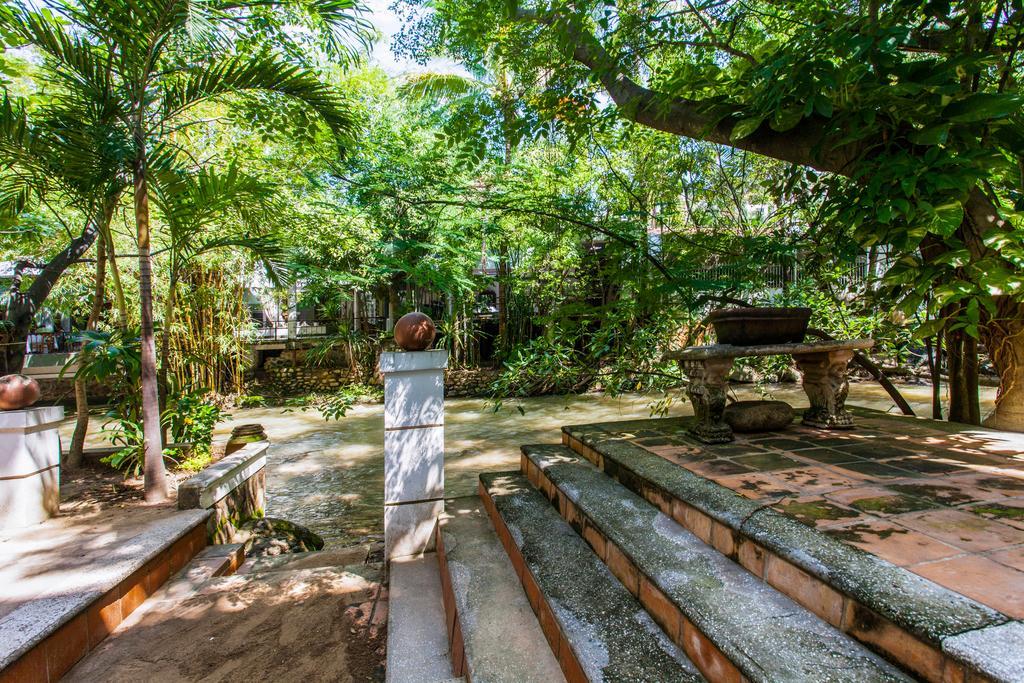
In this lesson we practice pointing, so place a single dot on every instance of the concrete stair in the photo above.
(928, 630)
(596, 628)
(730, 622)
(489, 620)
(636, 569)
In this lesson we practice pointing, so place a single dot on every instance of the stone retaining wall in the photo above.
(283, 378)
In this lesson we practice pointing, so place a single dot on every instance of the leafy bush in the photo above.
(251, 401)
(191, 418)
(336, 405)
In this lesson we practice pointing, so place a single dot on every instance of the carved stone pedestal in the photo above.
(826, 386)
(822, 363)
(707, 393)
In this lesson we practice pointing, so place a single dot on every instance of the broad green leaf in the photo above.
(745, 127)
(983, 106)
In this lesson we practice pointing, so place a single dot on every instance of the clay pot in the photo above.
(415, 332)
(18, 391)
(755, 326)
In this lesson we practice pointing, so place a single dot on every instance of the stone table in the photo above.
(822, 363)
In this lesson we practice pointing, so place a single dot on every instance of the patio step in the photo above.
(899, 614)
(728, 621)
(494, 634)
(341, 557)
(596, 628)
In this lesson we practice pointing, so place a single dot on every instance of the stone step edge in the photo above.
(565, 656)
(561, 646)
(456, 645)
(462, 661)
(700, 645)
(73, 625)
(838, 584)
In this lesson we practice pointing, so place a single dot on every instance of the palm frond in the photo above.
(239, 73)
(341, 25)
(442, 88)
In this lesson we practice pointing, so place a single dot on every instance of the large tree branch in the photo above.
(55, 267)
(805, 144)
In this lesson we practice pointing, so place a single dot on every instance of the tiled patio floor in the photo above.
(945, 501)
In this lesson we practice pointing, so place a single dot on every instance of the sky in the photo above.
(388, 23)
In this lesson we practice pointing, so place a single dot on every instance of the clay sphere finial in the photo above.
(415, 332)
(18, 391)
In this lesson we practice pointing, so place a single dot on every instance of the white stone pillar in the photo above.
(413, 449)
(29, 465)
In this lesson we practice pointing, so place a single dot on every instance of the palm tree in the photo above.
(191, 206)
(68, 153)
(151, 62)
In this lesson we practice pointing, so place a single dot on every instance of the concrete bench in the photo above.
(234, 488)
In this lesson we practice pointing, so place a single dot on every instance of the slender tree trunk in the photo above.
(934, 369)
(153, 468)
(165, 353)
(115, 280)
(77, 446)
(962, 362)
(503, 285)
(871, 277)
(392, 303)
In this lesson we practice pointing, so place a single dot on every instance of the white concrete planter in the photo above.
(29, 465)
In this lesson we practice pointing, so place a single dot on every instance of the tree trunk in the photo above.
(503, 284)
(77, 446)
(962, 362)
(115, 279)
(1004, 337)
(22, 306)
(153, 466)
(165, 352)
(934, 365)
(392, 303)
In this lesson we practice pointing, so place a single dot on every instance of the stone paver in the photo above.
(944, 500)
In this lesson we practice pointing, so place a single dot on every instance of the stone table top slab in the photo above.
(711, 351)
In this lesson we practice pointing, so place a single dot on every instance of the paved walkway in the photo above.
(64, 555)
(945, 501)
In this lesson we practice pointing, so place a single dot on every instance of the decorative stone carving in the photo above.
(824, 370)
(826, 386)
(706, 390)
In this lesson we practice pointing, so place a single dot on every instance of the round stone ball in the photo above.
(415, 332)
(758, 416)
(18, 391)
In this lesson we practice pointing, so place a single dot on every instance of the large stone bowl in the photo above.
(18, 391)
(756, 326)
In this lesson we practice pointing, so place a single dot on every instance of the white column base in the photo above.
(413, 450)
(29, 465)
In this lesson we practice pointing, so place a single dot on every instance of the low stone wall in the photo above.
(283, 378)
(62, 390)
(234, 488)
(469, 382)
